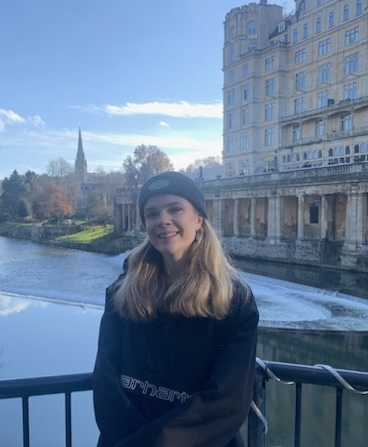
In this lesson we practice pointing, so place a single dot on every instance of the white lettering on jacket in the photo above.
(147, 388)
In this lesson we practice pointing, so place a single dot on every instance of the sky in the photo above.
(127, 72)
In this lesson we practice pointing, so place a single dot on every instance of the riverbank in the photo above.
(84, 236)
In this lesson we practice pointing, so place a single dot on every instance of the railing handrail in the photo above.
(289, 373)
(41, 386)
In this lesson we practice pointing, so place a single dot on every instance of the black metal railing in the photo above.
(285, 373)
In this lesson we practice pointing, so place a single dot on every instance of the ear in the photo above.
(199, 221)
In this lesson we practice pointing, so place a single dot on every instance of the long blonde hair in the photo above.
(204, 290)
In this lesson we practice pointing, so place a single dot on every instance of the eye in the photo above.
(175, 209)
(150, 214)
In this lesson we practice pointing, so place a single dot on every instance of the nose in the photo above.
(164, 218)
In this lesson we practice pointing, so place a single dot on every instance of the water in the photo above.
(51, 301)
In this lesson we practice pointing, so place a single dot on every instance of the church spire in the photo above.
(80, 166)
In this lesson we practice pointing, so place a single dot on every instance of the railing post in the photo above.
(256, 429)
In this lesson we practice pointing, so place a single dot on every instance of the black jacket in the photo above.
(175, 381)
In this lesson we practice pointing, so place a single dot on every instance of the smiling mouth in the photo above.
(167, 235)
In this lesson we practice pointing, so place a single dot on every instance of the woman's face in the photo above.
(171, 224)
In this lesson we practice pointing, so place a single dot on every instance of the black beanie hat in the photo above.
(171, 183)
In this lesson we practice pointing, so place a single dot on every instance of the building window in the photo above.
(245, 70)
(230, 56)
(230, 169)
(269, 137)
(244, 141)
(270, 63)
(346, 13)
(300, 56)
(318, 25)
(351, 63)
(313, 213)
(269, 111)
(322, 98)
(297, 133)
(299, 105)
(352, 36)
(346, 122)
(300, 81)
(351, 90)
(305, 31)
(324, 47)
(230, 144)
(230, 120)
(252, 29)
(270, 87)
(245, 92)
(319, 128)
(324, 73)
(244, 116)
(331, 19)
(231, 97)
(358, 7)
(231, 76)
(295, 35)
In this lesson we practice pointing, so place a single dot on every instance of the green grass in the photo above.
(94, 234)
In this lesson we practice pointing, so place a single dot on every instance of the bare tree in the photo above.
(146, 162)
(59, 168)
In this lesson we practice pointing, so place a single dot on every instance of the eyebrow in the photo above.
(150, 208)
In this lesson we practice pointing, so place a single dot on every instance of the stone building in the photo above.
(295, 131)
(295, 87)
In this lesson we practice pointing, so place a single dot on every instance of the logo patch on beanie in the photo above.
(158, 184)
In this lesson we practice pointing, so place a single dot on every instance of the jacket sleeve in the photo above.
(116, 417)
(212, 416)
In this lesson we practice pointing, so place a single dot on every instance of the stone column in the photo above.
(129, 206)
(278, 215)
(236, 217)
(271, 220)
(123, 217)
(253, 204)
(351, 226)
(218, 216)
(300, 234)
(324, 216)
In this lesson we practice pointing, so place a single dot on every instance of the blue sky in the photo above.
(128, 72)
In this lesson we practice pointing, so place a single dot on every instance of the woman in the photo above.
(177, 344)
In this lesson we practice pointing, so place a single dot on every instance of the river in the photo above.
(51, 301)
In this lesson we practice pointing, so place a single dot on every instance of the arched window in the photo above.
(356, 149)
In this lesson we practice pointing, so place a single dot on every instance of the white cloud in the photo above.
(181, 109)
(36, 120)
(164, 124)
(9, 118)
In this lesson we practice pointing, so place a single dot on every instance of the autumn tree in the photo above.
(51, 199)
(146, 162)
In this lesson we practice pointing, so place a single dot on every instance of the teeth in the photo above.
(166, 235)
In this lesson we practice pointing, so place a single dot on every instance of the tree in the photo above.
(146, 162)
(51, 199)
(59, 168)
(205, 168)
(14, 189)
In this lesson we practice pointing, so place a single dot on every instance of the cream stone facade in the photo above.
(295, 87)
(295, 146)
